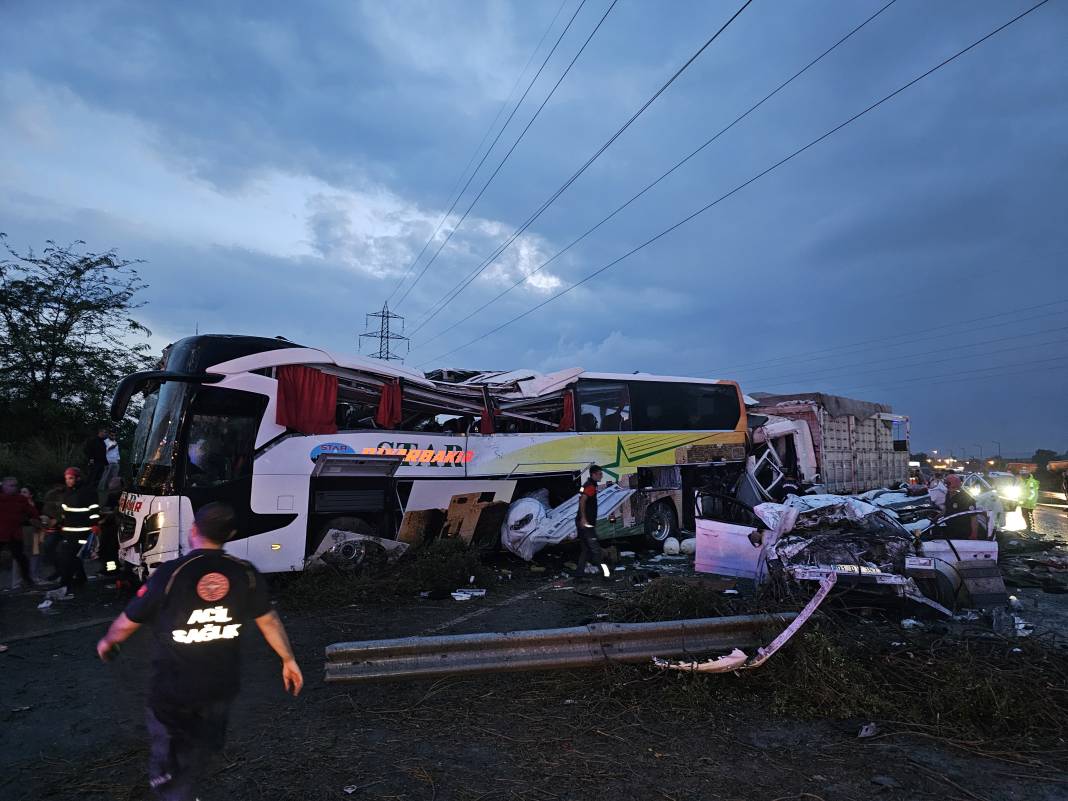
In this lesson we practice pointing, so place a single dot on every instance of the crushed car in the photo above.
(805, 539)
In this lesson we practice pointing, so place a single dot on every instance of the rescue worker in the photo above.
(1028, 499)
(198, 606)
(586, 526)
(79, 518)
(957, 501)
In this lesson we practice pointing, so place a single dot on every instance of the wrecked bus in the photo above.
(311, 446)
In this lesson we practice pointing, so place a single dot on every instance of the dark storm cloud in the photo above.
(280, 166)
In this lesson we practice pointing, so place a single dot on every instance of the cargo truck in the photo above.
(841, 445)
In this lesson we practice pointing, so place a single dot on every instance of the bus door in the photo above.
(217, 450)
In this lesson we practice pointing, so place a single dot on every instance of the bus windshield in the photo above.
(152, 453)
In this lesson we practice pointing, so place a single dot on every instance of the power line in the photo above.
(920, 363)
(935, 379)
(522, 133)
(466, 281)
(744, 184)
(838, 368)
(815, 353)
(478, 149)
(647, 187)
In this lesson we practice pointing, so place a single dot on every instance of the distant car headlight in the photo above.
(1012, 493)
(973, 491)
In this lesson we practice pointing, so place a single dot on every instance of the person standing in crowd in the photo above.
(957, 501)
(109, 528)
(586, 526)
(1028, 499)
(80, 517)
(15, 510)
(1064, 486)
(33, 536)
(111, 468)
(96, 455)
(198, 606)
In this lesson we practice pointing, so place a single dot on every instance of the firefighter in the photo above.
(1028, 499)
(198, 606)
(79, 518)
(586, 526)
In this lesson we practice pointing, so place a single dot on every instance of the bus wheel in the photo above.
(660, 523)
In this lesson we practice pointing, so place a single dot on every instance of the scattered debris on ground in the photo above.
(437, 570)
(945, 679)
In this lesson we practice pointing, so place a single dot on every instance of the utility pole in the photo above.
(385, 335)
(999, 448)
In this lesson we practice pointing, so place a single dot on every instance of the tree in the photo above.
(67, 336)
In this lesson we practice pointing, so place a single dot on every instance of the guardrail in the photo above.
(545, 649)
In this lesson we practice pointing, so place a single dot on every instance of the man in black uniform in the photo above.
(96, 455)
(80, 515)
(586, 526)
(198, 606)
(957, 501)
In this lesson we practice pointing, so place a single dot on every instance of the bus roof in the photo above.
(664, 379)
(318, 357)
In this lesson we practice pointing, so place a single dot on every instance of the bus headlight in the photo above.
(150, 530)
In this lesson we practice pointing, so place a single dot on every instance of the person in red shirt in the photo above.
(586, 527)
(15, 510)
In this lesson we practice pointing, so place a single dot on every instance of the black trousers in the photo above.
(589, 548)
(18, 556)
(71, 569)
(183, 741)
(1029, 517)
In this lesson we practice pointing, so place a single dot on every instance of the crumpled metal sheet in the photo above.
(737, 659)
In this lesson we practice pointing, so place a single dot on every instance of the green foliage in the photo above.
(39, 462)
(66, 338)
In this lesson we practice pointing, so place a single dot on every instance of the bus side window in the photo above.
(221, 436)
(603, 406)
(662, 406)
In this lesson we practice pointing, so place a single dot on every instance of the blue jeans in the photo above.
(183, 741)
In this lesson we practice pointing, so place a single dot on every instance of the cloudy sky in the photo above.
(279, 166)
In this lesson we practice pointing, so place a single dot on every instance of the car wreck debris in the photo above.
(593, 645)
(737, 659)
(808, 538)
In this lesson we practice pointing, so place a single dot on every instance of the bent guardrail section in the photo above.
(592, 645)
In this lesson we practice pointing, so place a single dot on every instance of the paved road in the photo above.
(1050, 520)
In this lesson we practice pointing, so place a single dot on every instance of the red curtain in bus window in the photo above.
(567, 419)
(307, 400)
(485, 425)
(389, 405)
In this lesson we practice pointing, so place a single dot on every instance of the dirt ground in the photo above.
(72, 727)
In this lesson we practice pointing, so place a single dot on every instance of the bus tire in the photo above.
(661, 522)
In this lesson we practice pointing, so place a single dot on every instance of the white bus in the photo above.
(302, 441)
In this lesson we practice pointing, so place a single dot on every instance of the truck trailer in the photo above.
(840, 444)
